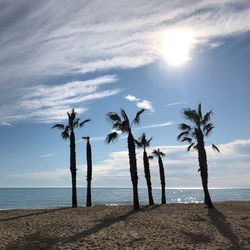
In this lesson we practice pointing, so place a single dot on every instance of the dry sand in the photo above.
(171, 226)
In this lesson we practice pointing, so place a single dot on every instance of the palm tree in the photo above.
(200, 127)
(68, 133)
(89, 171)
(123, 125)
(160, 154)
(142, 142)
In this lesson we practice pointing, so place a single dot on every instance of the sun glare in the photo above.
(177, 44)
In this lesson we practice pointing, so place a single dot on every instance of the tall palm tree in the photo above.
(89, 171)
(159, 154)
(121, 124)
(68, 133)
(142, 142)
(194, 134)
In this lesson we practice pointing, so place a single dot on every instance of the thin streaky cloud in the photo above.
(165, 124)
(6, 124)
(47, 155)
(176, 103)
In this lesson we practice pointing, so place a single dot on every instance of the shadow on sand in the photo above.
(38, 241)
(36, 213)
(218, 219)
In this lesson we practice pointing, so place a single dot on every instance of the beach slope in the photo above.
(171, 226)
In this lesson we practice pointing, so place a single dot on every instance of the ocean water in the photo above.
(30, 198)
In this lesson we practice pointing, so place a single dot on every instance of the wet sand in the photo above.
(171, 226)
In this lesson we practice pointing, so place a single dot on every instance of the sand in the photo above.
(171, 226)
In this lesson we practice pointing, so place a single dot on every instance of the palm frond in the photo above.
(59, 126)
(124, 126)
(207, 117)
(76, 123)
(111, 137)
(138, 143)
(181, 134)
(191, 114)
(215, 148)
(188, 139)
(158, 152)
(85, 121)
(150, 157)
(65, 133)
(86, 138)
(124, 115)
(137, 117)
(208, 129)
(190, 146)
(114, 117)
(199, 111)
(195, 147)
(184, 126)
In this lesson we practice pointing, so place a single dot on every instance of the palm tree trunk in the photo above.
(133, 170)
(162, 176)
(89, 174)
(148, 178)
(202, 156)
(73, 168)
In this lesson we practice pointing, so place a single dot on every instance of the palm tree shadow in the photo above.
(106, 223)
(36, 213)
(218, 219)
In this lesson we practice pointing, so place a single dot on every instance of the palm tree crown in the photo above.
(121, 124)
(73, 122)
(201, 125)
(142, 142)
(158, 153)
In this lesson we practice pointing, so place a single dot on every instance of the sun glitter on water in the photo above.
(177, 45)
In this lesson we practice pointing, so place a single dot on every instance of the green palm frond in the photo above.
(207, 117)
(59, 126)
(111, 137)
(215, 148)
(184, 126)
(85, 121)
(190, 146)
(182, 134)
(114, 117)
(137, 117)
(188, 139)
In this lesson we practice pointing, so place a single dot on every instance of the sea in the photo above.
(32, 198)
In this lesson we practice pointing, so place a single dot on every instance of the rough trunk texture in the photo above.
(73, 168)
(203, 168)
(162, 176)
(89, 174)
(148, 177)
(133, 170)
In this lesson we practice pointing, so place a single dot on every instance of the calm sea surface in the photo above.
(11, 198)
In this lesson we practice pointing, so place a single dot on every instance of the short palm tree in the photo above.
(89, 171)
(194, 134)
(121, 124)
(159, 154)
(68, 133)
(142, 142)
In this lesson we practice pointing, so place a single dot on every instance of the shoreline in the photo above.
(170, 226)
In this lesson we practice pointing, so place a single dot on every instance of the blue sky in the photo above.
(98, 58)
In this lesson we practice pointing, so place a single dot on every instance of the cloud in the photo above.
(6, 124)
(145, 105)
(157, 125)
(50, 103)
(54, 38)
(46, 155)
(176, 103)
(131, 98)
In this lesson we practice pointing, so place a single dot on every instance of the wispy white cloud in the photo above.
(54, 38)
(131, 98)
(176, 103)
(145, 105)
(157, 125)
(46, 155)
(6, 124)
(46, 103)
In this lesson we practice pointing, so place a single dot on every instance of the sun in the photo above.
(177, 45)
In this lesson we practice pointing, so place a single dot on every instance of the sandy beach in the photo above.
(171, 226)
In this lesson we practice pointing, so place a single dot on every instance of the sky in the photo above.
(99, 57)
